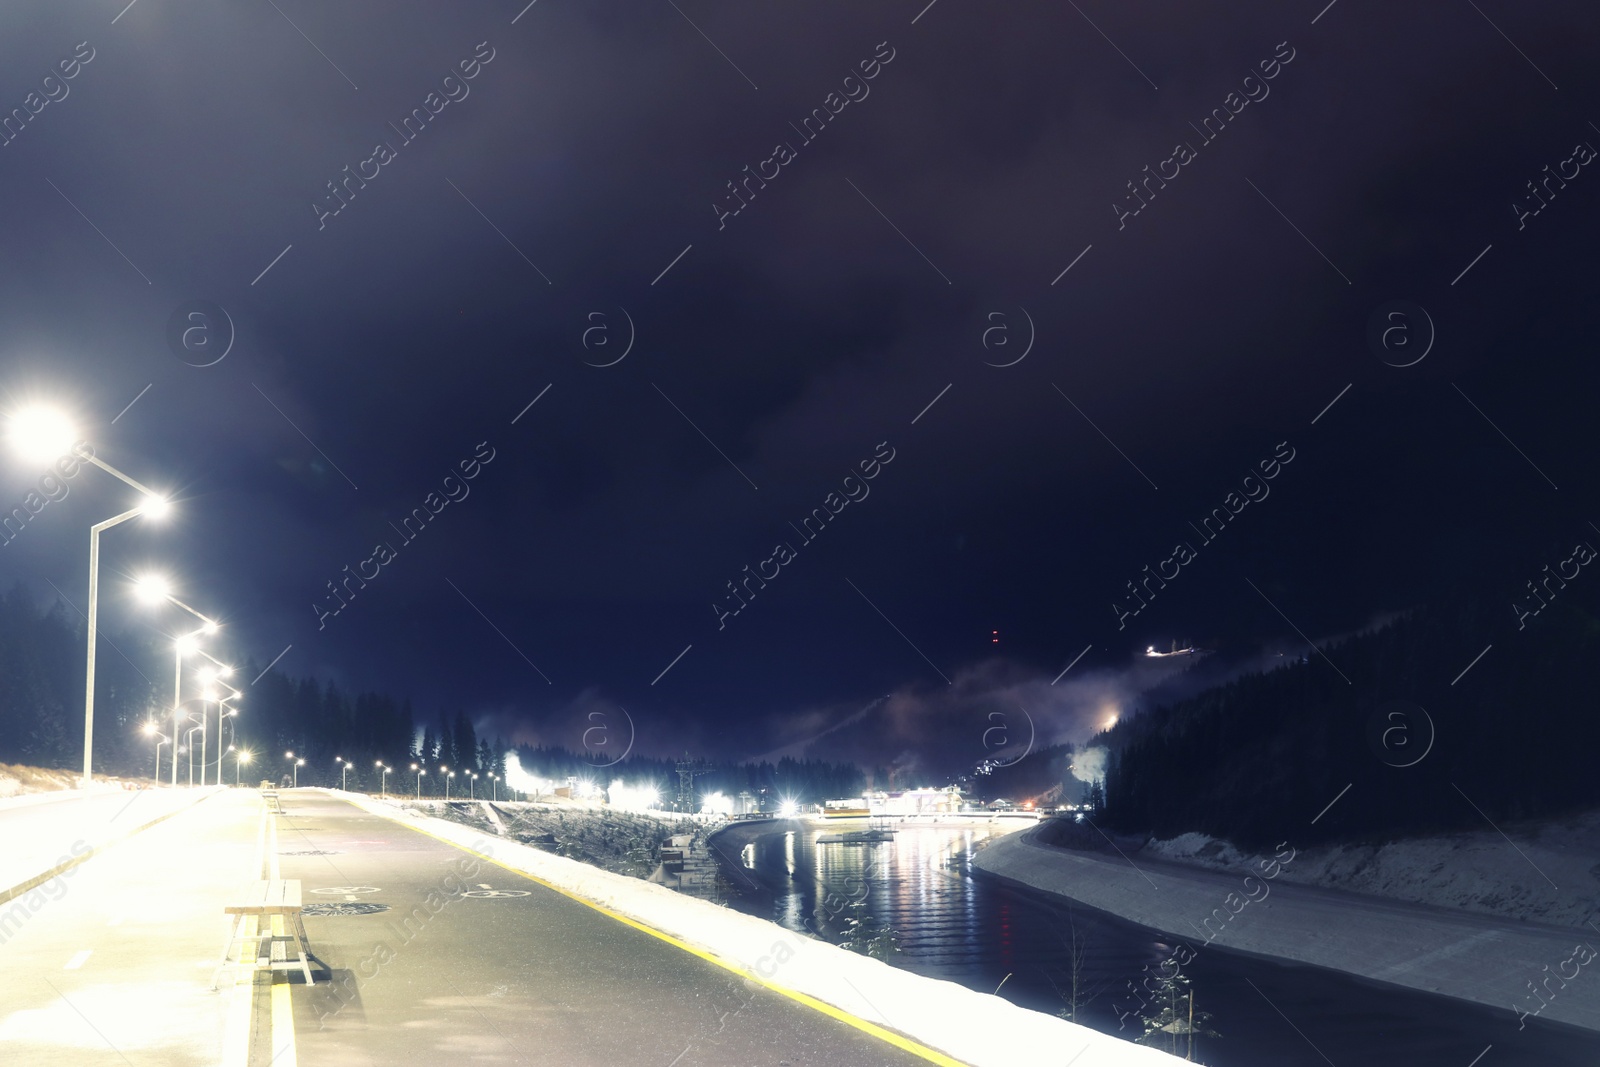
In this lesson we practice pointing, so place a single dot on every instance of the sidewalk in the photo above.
(113, 963)
(38, 836)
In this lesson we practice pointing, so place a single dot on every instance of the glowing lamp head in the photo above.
(244, 757)
(209, 628)
(41, 435)
(152, 588)
(186, 646)
(155, 507)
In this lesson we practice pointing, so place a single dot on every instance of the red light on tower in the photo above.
(994, 638)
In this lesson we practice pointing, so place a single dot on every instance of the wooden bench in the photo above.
(264, 900)
(274, 805)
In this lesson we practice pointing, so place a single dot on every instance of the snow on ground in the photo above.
(1478, 871)
(973, 1028)
(1486, 959)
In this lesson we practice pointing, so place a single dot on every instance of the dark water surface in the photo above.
(951, 925)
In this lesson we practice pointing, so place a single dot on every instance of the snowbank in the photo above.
(1480, 958)
(1475, 872)
(973, 1028)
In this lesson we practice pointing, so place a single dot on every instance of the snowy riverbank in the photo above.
(1474, 957)
(1551, 876)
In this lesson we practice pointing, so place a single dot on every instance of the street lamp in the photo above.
(420, 773)
(154, 589)
(344, 770)
(47, 436)
(472, 785)
(161, 739)
(383, 782)
(448, 776)
(189, 743)
(495, 778)
(211, 677)
(298, 763)
(240, 758)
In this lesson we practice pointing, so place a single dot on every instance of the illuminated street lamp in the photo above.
(383, 781)
(240, 758)
(472, 786)
(420, 773)
(448, 776)
(161, 739)
(297, 764)
(154, 589)
(495, 778)
(344, 770)
(47, 436)
(211, 677)
(189, 744)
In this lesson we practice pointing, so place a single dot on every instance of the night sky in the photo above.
(1062, 278)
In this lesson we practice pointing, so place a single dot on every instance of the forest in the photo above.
(1384, 729)
(41, 724)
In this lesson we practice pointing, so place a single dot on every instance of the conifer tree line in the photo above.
(1254, 761)
(41, 724)
(41, 710)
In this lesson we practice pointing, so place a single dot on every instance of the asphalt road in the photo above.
(473, 963)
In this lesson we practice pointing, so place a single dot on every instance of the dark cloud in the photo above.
(381, 349)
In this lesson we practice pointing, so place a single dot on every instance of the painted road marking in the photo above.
(283, 1052)
(79, 960)
(496, 893)
(338, 889)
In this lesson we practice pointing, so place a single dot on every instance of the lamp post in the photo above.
(161, 739)
(240, 758)
(495, 779)
(472, 784)
(420, 773)
(48, 436)
(383, 780)
(155, 589)
(233, 730)
(344, 770)
(296, 764)
(212, 677)
(189, 743)
(447, 778)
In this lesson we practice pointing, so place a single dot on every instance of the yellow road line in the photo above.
(283, 1052)
(241, 1011)
(898, 1040)
(240, 1026)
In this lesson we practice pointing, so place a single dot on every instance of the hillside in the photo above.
(1255, 761)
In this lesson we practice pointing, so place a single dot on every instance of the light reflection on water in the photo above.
(954, 927)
